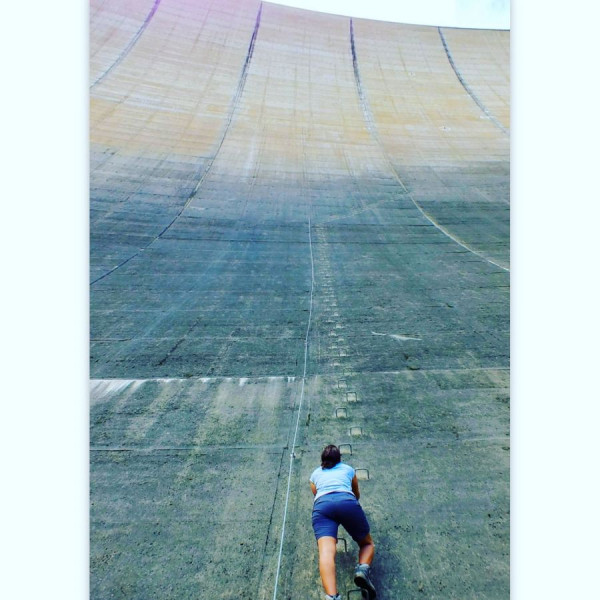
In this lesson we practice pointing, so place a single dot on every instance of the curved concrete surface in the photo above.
(299, 236)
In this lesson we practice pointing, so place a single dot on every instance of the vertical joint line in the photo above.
(364, 104)
(233, 107)
(469, 91)
(131, 44)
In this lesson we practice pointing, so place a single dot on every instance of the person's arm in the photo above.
(313, 487)
(355, 489)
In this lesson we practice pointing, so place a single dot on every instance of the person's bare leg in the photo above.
(362, 577)
(366, 551)
(327, 548)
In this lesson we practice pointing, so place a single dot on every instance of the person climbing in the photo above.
(336, 494)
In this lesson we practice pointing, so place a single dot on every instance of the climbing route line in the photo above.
(293, 446)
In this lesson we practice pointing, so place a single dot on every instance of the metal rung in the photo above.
(341, 412)
(351, 397)
(349, 446)
(360, 473)
(342, 539)
(355, 430)
(363, 593)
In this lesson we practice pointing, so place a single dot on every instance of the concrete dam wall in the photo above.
(299, 235)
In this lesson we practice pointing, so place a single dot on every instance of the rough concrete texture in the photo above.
(299, 236)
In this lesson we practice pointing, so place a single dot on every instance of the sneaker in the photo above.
(336, 597)
(362, 578)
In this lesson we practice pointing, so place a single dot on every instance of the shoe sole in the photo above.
(362, 582)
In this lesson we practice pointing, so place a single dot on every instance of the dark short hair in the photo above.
(330, 456)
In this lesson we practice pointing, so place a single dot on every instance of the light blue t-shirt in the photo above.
(336, 479)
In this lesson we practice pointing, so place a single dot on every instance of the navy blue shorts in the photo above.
(339, 508)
